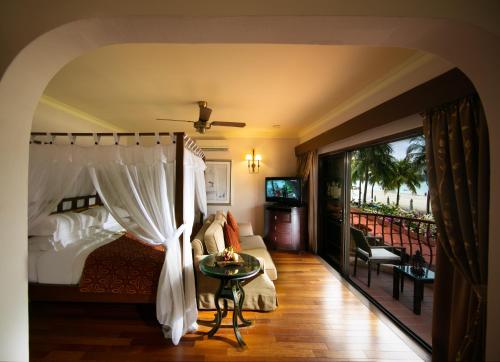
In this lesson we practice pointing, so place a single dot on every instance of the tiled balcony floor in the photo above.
(381, 290)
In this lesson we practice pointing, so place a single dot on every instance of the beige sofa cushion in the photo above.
(269, 267)
(245, 229)
(214, 237)
(197, 247)
(252, 242)
(220, 218)
(197, 244)
(260, 293)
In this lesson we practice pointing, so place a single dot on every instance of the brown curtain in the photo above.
(307, 170)
(458, 164)
(304, 165)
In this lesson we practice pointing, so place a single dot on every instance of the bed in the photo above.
(109, 265)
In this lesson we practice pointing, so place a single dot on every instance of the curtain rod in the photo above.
(189, 143)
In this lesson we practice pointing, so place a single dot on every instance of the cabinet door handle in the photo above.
(275, 217)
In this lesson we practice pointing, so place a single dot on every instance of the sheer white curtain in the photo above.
(200, 186)
(137, 186)
(53, 170)
(194, 168)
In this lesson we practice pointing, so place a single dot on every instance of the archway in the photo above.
(472, 49)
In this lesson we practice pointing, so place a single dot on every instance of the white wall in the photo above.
(247, 190)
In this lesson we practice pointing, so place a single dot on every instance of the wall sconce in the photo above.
(253, 162)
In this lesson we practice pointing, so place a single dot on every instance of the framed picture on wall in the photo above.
(218, 182)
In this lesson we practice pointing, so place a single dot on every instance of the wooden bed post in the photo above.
(179, 178)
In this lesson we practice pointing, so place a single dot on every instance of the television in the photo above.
(284, 190)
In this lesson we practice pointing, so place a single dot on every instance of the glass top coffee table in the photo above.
(402, 271)
(230, 289)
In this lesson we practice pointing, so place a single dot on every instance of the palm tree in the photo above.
(377, 164)
(357, 173)
(372, 165)
(415, 153)
(405, 174)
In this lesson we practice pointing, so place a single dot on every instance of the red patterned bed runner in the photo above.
(124, 266)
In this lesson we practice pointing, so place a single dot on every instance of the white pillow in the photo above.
(67, 239)
(99, 212)
(62, 226)
(110, 222)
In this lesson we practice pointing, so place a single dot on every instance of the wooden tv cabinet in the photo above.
(286, 227)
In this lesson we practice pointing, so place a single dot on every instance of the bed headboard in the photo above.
(78, 203)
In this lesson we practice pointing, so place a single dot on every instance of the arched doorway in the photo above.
(474, 50)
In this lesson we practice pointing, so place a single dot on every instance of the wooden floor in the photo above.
(317, 319)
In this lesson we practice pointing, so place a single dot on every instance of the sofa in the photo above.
(260, 293)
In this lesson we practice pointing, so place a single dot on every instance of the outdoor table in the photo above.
(402, 271)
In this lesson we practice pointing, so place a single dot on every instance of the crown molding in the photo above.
(66, 108)
(395, 75)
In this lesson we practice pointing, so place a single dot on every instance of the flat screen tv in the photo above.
(283, 190)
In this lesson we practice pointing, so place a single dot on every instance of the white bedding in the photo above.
(65, 266)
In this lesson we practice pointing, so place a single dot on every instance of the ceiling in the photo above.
(278, 90)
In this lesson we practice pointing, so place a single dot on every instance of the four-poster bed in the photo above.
(151, 192)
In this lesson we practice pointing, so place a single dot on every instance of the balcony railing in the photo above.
(410, 233)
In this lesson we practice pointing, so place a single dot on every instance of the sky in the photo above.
(399, 148)
(399, 152)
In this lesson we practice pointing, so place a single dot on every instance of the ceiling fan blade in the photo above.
(205, 113)
(173, 120)
(228, 124)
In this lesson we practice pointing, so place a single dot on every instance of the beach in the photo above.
(379, 195)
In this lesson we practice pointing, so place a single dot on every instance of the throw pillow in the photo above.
(232, 222)
(214, 238)
(231, 238)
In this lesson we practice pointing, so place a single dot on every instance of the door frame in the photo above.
(343, 267)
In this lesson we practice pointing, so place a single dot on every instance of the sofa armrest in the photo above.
(196, 261)
(262, 263)
(197, 247)
(245, 229)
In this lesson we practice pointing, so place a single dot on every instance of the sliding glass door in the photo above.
(375, 226)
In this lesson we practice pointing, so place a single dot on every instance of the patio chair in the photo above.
(372, 253)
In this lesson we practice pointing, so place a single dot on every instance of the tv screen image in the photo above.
(283, 189)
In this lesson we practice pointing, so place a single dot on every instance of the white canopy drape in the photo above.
(200, 186)
(137, 185)
(54, 173)
(194, 169)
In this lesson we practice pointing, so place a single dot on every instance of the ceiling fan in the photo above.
(202, 124)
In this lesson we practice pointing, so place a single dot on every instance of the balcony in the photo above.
(412, 234)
